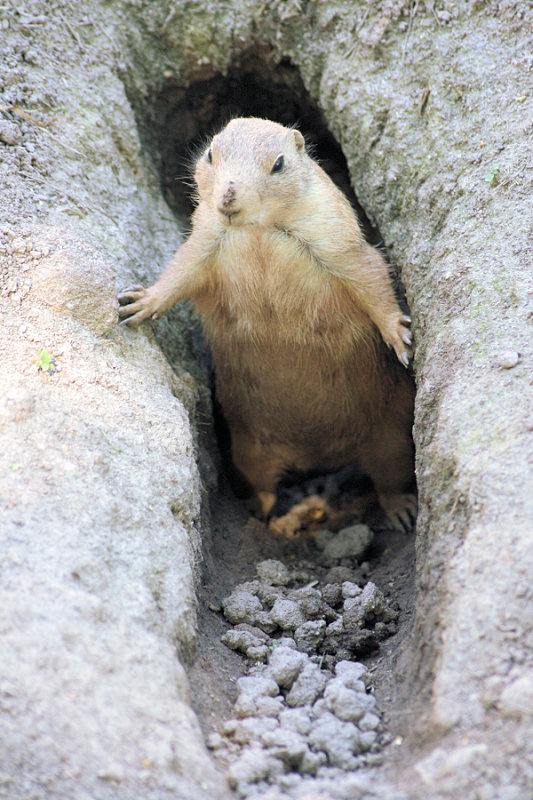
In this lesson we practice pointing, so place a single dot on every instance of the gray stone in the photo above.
(9, 132)
(286, 744)
(252, 766)
(309, 685)
(311, 762)
(249, 729)
(341, 741)
(516, 700)
(241, 640)
(297, 719)
(257, 686)
(347, 704)
(309, 599)
(350, 589)
(285, 664)
(332, 594)
(349, 543)
(368, 722)
(309, 635)
(242, 606)
(273, 572)
(269, 706)
(351, 672)
(287, 614)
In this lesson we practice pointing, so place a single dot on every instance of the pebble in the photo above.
(349, 543)
(351, 672)
(309, 685)
(332, 593)
(287, 614)
(347, 704)
(299, 728)
(285, 665)
(297, 719)
(339, 740)
(309, 635)
(242, 606)
(309, 600)
(508, 359)
(350, 589)
(251, 766)
(517, 699)
(257, 686)
(273, 572)
(9, 133)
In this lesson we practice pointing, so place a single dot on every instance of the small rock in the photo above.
(286, 744)
(349, 543)
(347, 704)
(309, 599)
(257, 686)
(311, 762)
(250, 729)
(265, 622)
(9, 133)
(340, 574)
(242, 606)
(273, 572)
(250, 767)
(287, 614)
(339, 740)
(245, 706)
(368, 738)
(508, 359)
(368, 722)
(350, 589)
(323, 537)
(242, 640)
(257, 653)
(332, 593)
(517, 699)
(285, 665)
(296, 719)
(269, 706)
(309, 685)
(349, 671)
(309, 635)
(215, 741)
(337, 626)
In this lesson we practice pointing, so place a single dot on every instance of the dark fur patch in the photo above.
(295, 485)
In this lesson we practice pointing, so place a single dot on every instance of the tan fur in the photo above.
(298, 310)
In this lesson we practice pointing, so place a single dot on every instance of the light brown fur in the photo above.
(298, 310)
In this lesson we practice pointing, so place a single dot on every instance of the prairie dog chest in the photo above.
(269, 278)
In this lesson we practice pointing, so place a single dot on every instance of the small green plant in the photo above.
(492, 176)
(46, 362)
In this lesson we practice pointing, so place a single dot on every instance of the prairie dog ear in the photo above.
(298, 139)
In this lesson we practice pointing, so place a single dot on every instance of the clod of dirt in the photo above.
(348, 543)
(302, 711)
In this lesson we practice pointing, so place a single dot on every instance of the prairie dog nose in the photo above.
(228, 198)
(227, 202)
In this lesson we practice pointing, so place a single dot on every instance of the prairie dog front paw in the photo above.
(137, 304)
(398, 336)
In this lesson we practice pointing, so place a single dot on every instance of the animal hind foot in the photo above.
(400, 510)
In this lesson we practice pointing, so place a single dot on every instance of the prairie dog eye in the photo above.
(210, 156)
(278, 165)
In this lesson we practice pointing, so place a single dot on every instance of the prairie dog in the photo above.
(300, 315)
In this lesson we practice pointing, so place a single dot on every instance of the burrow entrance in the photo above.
(180, 120)
(173, 128)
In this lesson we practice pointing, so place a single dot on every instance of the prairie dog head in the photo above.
(253, 172)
